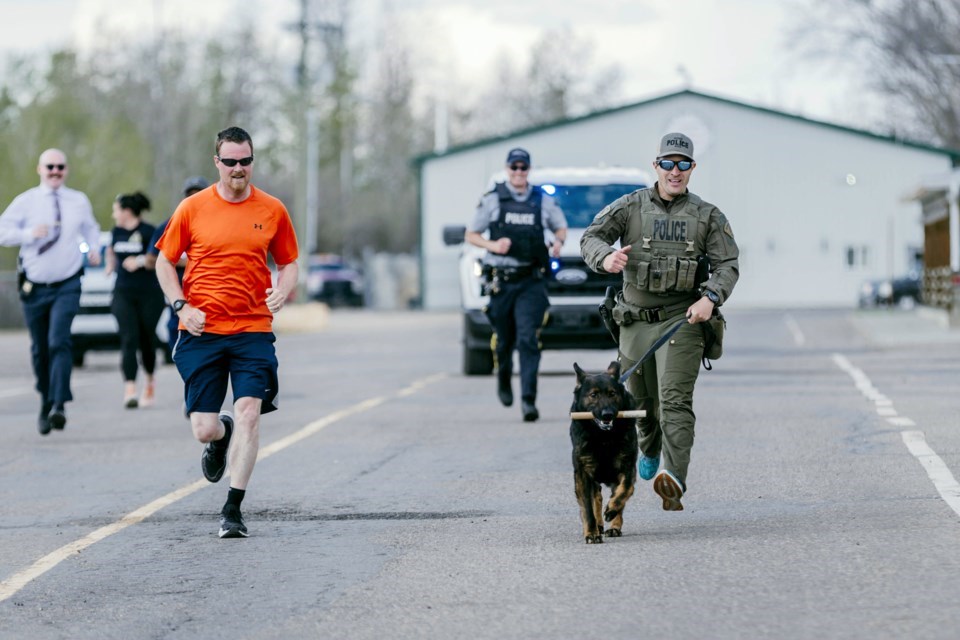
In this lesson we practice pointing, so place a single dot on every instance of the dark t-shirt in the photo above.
(152, 250)
(126, 243)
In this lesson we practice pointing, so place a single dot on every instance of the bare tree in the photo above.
(561, 80)
(907, 51)
(392, 133)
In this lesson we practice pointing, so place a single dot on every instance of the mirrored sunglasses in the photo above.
(668, 165)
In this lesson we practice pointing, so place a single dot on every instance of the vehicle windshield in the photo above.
(582, 203)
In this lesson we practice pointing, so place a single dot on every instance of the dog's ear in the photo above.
(581, 374)
(614, 369)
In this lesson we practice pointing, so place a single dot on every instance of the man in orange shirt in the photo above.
(226, 306)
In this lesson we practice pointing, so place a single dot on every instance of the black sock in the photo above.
(235, 497)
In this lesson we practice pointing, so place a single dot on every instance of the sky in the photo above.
(737, 49)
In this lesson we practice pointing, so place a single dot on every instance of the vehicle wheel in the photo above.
(78, 355)
(477, 362)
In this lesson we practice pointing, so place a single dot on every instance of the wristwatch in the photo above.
(714, 298)
(179, 304)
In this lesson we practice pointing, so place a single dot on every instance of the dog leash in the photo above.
(656, 345)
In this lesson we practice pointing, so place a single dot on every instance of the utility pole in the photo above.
(308, 197)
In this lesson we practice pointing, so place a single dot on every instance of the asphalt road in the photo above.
(397, 499)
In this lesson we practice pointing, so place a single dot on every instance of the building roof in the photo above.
(953, 153)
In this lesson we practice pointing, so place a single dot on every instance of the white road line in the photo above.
(795, 331)
(22, 391)
(902, 421)
(19, 580)
(15, 391)
(942, 479)
(944, 482)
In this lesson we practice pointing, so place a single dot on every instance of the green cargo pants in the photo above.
(663, 386)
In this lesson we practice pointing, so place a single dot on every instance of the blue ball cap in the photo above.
(518, 155)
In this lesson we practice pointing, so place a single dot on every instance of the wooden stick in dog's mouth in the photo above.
(587, 415)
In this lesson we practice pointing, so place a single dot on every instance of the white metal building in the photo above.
(816, 208)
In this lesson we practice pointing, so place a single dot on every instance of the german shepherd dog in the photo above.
(604, 450)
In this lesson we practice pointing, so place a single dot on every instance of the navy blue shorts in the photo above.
(207, 362)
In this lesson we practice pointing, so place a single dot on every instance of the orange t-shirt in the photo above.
(226, 243)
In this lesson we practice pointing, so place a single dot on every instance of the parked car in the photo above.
(94, 327)
(902, 292)
(331, 280)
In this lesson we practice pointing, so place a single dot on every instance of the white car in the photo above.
(94, 327)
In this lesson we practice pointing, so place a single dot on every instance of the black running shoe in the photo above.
(231, 523)
(213, 462)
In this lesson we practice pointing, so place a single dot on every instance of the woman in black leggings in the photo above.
(137, 298)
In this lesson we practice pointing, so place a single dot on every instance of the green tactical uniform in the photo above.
(659, 285)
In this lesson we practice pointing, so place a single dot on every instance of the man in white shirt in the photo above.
(48, 222)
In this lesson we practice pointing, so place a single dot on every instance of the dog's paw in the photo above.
(613, 533)
(597, 539)
(609, 514)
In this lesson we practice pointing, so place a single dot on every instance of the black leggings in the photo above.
(137, 313)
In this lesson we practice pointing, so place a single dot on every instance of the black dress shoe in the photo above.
(505, 393)
(43, 422)
(57, 420)
(504, 390)
(530, 413)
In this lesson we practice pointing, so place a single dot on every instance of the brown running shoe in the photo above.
(669, 488)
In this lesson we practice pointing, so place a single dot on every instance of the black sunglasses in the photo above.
(232, 162)
(58, 167)
(519, 167)
(668, 165)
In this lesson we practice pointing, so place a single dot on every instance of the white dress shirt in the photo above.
(35, 207)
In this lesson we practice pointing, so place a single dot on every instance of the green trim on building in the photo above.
(954, 154)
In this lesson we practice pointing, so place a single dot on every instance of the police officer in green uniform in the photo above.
(665, 233)
(515, 213)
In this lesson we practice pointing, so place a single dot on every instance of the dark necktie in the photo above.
(56, 226)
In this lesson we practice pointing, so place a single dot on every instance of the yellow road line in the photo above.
(19, 580)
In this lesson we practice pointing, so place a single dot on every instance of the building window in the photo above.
(857, 256)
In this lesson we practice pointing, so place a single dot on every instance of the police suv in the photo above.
(575, 290)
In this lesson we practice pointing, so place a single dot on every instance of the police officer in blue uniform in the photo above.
(516, 213)
(48, 222)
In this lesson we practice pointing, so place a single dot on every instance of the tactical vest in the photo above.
(522, 223)
(666, 246)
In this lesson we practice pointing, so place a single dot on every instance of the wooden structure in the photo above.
(939, 198)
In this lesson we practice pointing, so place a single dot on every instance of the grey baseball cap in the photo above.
(195, 183)
(676, 144)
